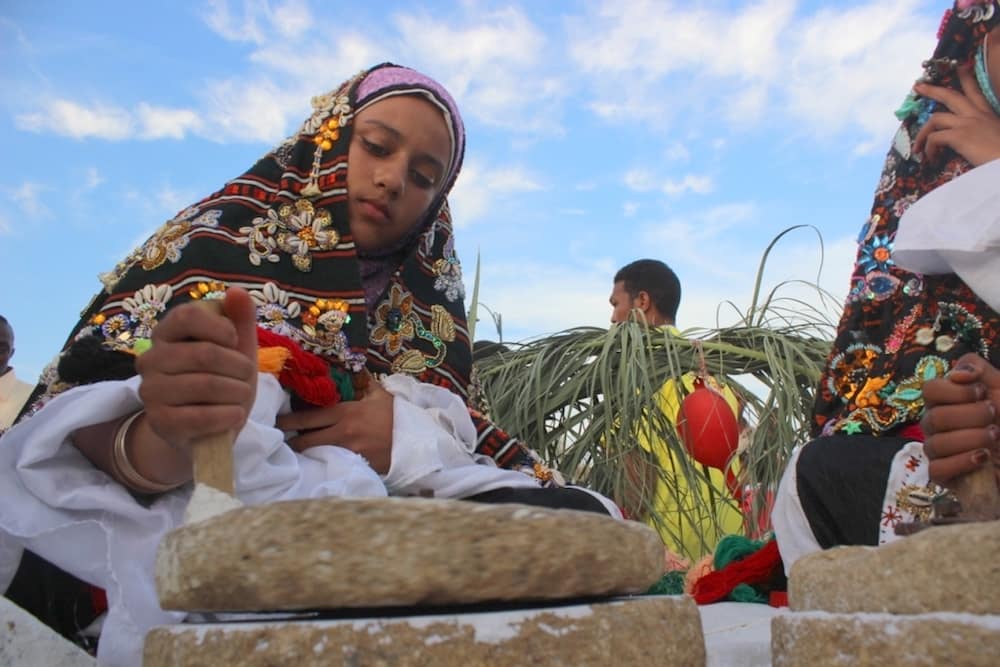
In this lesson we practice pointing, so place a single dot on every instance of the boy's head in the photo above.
(6, 344)
(647, 285)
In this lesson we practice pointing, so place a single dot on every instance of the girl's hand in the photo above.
(960, 419)
(969, 127)
(363, 426)
(200, 375)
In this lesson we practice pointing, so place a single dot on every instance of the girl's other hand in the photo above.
(363, 426)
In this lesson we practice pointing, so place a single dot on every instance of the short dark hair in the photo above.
(655, 279)
(5, 323)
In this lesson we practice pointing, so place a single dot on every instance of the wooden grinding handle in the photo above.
(978, 494)
(213, 454)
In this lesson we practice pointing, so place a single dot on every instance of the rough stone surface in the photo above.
(809, 639)
(641, 631)
(945, 568)
(333, 553)
(27, 642)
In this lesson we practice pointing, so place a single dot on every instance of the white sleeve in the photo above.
(434, 445)
(54, 502)
(955, 228)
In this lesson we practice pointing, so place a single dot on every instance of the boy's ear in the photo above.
(642, 301)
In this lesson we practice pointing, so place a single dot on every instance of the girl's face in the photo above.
(397, 162)
(993, 54)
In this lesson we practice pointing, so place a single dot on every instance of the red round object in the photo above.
(708, 427)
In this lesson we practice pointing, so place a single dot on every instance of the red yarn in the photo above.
(98, 599)
(944, 23)
(753, 569)
(778, 598)
(305, 374)
(912, 432)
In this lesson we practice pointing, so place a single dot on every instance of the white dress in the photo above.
(54, 502)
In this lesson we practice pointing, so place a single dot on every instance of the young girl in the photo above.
(901, 331)
(333, 254)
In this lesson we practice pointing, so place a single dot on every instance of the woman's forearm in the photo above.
(152, 465)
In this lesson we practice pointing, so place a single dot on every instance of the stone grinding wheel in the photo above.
(648, 630)
(331, 553)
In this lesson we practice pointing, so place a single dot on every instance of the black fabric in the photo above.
(54, 597)
(552, 497)
(841, 485)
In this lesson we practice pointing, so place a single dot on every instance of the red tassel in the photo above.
(753, 569)
(98, 599)
(305, 374)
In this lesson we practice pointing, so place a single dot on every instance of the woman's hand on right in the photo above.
(960, 426)
(200, 375)
(970, 127)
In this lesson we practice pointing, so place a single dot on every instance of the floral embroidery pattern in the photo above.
(977, 10)
(877, 255)
(393, 323)
(145, 306)
(275, 310)
(448, 272)
(165, 245)
(849, 369)
(396, 323)
(298, 230)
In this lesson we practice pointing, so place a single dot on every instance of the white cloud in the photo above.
(687, 236)
(251, 110)
(644, 180)
(640, 180)
(171, 201)
(480, 186)
(92, 178)
(69, 119)
(527, 303)
(160, 122)
(243, 28)
(485, 65)
(852, 68)
(292, 19)
(677, 151)
(690, 183)
(113, 123)
(832, 70)
(28, 199)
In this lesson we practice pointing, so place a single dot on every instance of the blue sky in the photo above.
(599, 132)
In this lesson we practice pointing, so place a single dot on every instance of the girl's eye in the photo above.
(421, 181)
(374, 149)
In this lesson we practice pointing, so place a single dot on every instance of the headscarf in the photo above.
(281, 231)
(901, 329)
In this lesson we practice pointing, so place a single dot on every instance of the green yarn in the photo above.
(343, 381)
(734, 547)
(908, 107)
(672, 583)
(746, 593)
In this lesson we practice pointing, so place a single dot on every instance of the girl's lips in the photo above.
(375, 211)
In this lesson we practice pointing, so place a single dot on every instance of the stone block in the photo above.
(660, 630)
(27, 642)
(809, 639)
(945, 568)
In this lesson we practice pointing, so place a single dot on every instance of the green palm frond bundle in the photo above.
(585, 399)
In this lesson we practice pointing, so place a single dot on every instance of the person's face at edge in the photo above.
(621, 303)
(397, 161)
(6, 347)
